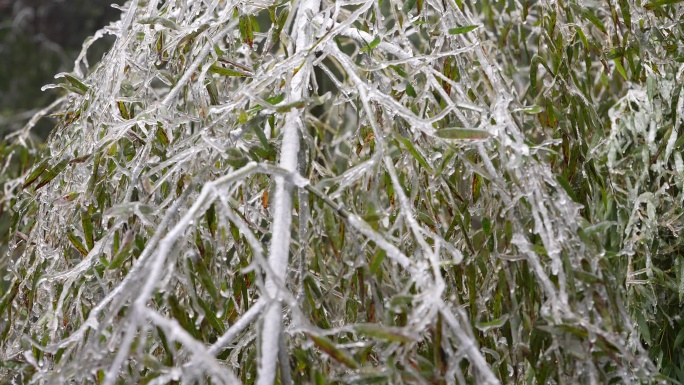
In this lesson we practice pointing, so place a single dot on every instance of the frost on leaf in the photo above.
(362, 191)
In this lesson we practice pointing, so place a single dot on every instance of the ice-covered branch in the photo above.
(282, 217)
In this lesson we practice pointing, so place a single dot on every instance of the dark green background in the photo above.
(38, 39)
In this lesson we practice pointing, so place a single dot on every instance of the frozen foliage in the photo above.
(353, 191)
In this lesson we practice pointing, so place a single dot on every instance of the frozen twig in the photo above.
(282, 216)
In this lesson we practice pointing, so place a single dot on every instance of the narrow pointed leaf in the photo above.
(33, 176)
(52, 173)
(328, 346)
(462, 30)
(462, 133)
(76, 242)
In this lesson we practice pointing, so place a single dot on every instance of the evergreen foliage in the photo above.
(386, 191)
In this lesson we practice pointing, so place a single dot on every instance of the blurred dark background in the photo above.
(38, 39)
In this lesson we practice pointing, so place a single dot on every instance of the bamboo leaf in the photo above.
(410, 91)
(371, 45)
(168, 23)
(246, 30)
(414, 152)
(392, 334)
(52, 173)
(566, 186)
(87, 223)
(328, 346)
(77, 84)
(37, 171)
(408, 5)
(462, 30)
(620, 68)
(462, 133)
(376, 262)
(587, 14)
(493, 324)
(76, 242)
(217, 69)
(659, 3)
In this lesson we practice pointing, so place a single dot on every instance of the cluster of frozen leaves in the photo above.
(351, 191)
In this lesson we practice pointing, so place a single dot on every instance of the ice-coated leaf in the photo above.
(462, 133)
(128, 208)
(659, 3)
(493, 324)
(217, 69)
(414, 152)
(36, 173)
(77, 84)
(392, 334)
(246, 30)
(462, 30)
(76, 242)
(168, 23)
(328, 346)
(374, 43)
(353, 192)
(52, 173)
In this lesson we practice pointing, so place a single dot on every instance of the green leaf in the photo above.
(328, 346)
(246, 31)
(193, 34)
(275, 99)
(566, 186)
(217, 69)
(211, 316)
(372, 44)
(462, 30)
(376, 262)
(626, 15)
(160, 20)
(410, 91)
(644, 328)
(76, 242)
(78, 85)
(414, 152)
(659, 3)
(399, 70)
(486, 226)
(532, 110)
(262, 136)
(388, 333)
(462, 133)
(211, 218)
(213, 94)
(586, 14)
(599, 228)
(676, 93)
(124, 251)
(87, 223)
(52, 173)
(679, 339)
(9, 296)
(206, 281)
(408, 5)
(161, 135)
(620, 68)
(123, 110)
(614, 53)
(493, 324)
(33, 176)
(129, 208)
(289, 106)
(476, 187)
